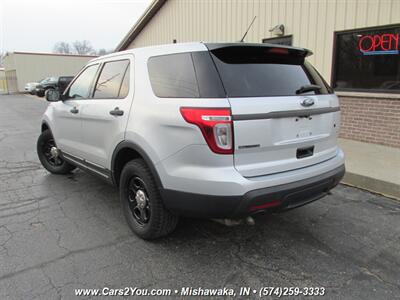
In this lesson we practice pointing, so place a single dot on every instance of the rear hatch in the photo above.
(285, 115)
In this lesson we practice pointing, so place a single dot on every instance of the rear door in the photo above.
(105, 114)
(277, 127)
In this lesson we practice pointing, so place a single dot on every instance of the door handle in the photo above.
(74, 110)
(116, 112)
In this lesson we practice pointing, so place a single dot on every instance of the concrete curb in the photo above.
(385, 188)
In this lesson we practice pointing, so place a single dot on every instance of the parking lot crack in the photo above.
(57, 289)
(367, 271)
(70, 253)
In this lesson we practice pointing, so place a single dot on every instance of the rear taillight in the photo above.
(265, 205)
(283, 51)
(215, 124)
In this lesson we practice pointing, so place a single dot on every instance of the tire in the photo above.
(45, 92)
(136, 177)
(54, 165)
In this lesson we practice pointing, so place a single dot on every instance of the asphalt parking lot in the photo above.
(58, 233)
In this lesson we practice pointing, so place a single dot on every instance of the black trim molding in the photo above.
(286, 114)
(290, 195)
(88, 166)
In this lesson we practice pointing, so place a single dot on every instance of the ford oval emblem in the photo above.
(307, 102)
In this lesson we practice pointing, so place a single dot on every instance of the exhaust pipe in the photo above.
(235, 222)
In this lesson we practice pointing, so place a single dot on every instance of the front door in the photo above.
(68, 126)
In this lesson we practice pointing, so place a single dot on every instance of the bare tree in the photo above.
(103, 51)
(78, 47)
(62, 47)
(83, 47)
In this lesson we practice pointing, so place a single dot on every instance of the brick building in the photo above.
(356, 45)
(371, 118)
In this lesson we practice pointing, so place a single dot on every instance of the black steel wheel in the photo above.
(139, 203)
(52, 153)
(142, 204)
(50, 156)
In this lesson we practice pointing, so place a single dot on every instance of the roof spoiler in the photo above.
(273, 48)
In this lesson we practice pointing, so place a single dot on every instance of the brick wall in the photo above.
(372, 120)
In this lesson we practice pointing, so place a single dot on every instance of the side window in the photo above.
(110, 80)
(124, 90)
(80, 88)
(173, 76)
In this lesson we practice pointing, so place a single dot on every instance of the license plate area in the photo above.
(304, 152)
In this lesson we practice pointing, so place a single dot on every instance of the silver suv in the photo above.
(199, 130)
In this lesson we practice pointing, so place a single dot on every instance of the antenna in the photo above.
(242, 40)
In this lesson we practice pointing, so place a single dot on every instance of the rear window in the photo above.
(256, 72)
(110, 80)
(65, 79)
(185, 75)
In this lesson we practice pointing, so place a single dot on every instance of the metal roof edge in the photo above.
(52, 54)
(140, 24)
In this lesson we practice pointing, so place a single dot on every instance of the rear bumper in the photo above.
(280, 197)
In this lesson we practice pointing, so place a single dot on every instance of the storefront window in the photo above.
(367, 60)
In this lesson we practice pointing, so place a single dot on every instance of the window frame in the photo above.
(102, 64)
(128, 69)
(334, 58)
(66, 92)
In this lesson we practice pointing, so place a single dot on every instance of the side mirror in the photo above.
(52, 95)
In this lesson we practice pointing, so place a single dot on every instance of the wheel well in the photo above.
(45, 127)
(123, 156)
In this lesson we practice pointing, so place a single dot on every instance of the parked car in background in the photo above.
(63, 82)
(53, 83)
(39, 90)
(30, 87)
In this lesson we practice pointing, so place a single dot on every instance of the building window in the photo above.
(367, 60)
(282, 40)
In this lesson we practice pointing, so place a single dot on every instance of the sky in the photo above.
(37, 25)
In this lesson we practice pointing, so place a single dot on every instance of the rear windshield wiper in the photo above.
(308, 88)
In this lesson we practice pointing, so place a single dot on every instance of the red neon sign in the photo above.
(387, 43)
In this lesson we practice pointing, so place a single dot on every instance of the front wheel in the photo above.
(49, 155)
(142, 204)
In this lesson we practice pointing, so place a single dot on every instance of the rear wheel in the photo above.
(50, 156)
(142, 204)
